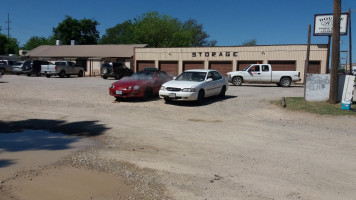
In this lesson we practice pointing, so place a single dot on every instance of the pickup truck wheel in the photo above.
(237, 80)
(2, 71)
(200, 97)
(222, 92)
(285, 82)
(62, 74)
(80, 74)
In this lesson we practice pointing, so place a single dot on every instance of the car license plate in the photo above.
(118, 92)
(172, 95)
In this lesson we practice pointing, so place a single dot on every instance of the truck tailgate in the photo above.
(48, 68)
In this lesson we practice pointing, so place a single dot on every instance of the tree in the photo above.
(158, 31)
(199, 37)
(119, 34)
(8, 45)
(84, 31)
(37, 41)
(251, 42)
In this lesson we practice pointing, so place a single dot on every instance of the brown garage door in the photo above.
(141, 65)
(193, 65)
(283, 65)
(170, 67)
(314, 67)
(222, 67)
(243, 64)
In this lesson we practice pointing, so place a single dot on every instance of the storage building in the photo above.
(231, 58)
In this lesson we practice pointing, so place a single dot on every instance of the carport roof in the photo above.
(85, 51)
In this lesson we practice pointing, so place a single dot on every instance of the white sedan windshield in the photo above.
(192, 76)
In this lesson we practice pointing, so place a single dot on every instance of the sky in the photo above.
(229, 22)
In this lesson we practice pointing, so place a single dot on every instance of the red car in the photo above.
(144, 84)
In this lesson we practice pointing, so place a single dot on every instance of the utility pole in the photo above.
(306, 68)
(335, 53)
(350, 42)
(8, 25)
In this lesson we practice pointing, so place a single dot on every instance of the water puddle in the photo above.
(32, 148)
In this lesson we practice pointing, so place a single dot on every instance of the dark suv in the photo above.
(30, 67)
(115, 69)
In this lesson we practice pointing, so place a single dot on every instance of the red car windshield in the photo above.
(142, 76)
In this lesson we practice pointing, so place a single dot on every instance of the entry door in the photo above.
(210, 86)
(71, 68)
(253, 74)
(266, 74)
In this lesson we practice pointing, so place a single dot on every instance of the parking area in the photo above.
(240, 147)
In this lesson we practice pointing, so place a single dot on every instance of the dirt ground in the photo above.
(85, 145)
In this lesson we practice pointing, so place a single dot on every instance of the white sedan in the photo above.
(194, 85)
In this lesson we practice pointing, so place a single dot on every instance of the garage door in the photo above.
(283, 65)
(314, 67)
(193, 65)
(243, 64)
(222, 67)
(141, 65)
(170, 67)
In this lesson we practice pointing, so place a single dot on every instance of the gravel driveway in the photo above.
(241, 147)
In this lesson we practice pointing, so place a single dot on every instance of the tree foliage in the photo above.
(84, 31)
(158, 31)
(8, 45)
(252, 42)
(37, 41)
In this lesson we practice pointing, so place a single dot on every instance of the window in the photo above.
(255, 68)
(216, 76)
(265, 68)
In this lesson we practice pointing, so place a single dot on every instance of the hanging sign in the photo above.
(323, 24)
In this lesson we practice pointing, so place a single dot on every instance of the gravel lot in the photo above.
(241, 147)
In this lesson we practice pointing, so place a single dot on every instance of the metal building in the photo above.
(231, 58)
(90, 57)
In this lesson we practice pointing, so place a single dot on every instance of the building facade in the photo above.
(225, 59)
(90, 57)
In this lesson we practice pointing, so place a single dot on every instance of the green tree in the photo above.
(157, 31)
(37, 41)
(199, 37)
(8, 45)
(252, 42)
(119, 34)
(84, 31)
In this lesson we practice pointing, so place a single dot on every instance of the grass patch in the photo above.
(321, 108)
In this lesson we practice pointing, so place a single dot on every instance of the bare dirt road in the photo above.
(66, 138)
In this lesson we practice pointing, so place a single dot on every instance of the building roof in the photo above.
(85, 51)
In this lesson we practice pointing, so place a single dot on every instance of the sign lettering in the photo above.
(214, 54)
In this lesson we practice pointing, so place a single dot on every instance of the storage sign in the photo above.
(323, 24)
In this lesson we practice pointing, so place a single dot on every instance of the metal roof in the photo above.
(85, 51)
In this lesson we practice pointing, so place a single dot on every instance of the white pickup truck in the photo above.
(62, 69)
(262, 73)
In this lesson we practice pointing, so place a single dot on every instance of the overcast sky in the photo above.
(230, 22)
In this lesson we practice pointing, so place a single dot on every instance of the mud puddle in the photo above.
(29, 149)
